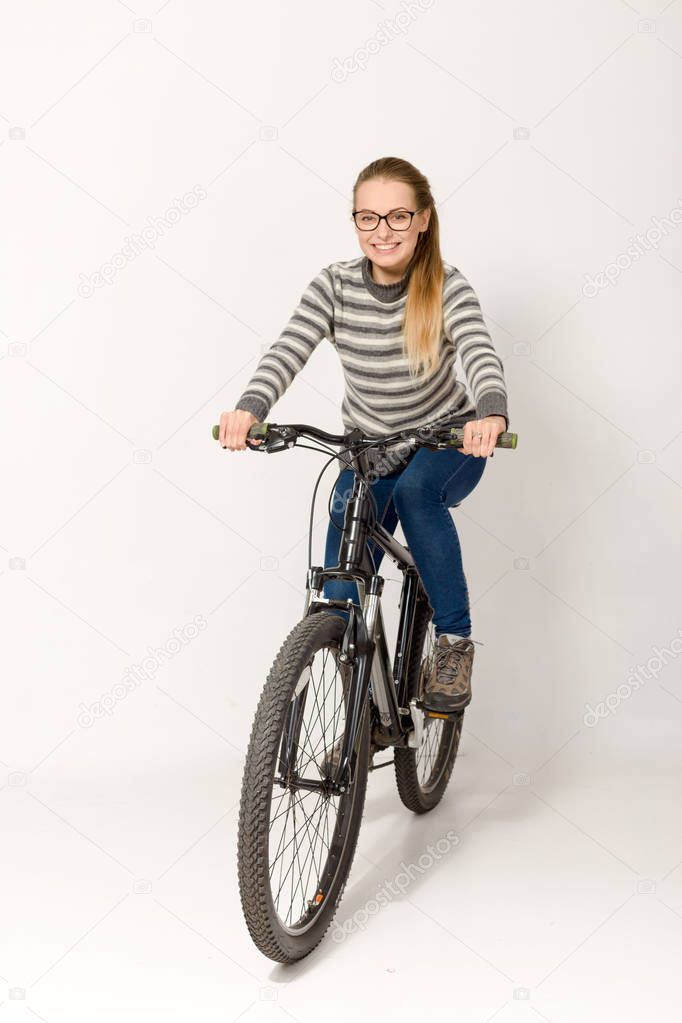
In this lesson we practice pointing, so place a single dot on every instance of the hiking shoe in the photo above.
(448, 683)
(330, 760)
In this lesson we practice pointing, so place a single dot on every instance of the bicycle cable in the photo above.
(374, 507)
(349, 464)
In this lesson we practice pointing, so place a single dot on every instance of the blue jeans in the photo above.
(419, 495)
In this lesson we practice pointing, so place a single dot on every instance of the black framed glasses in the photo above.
(397, 220)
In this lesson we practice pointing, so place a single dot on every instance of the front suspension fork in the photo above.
(357, 651)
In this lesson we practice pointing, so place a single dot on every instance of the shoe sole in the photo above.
(444, 704)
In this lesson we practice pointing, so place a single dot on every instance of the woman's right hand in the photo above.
(234, 427)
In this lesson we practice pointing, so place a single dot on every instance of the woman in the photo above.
(398, 317)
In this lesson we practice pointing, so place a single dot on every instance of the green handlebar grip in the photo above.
(504, 440)
(256, 432)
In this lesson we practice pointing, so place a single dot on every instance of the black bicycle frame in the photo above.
(363, 645)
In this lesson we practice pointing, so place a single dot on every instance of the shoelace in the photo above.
(448, 663)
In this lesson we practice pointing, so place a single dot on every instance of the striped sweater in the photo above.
(362, 320)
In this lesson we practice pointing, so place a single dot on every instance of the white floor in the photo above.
(559, 897)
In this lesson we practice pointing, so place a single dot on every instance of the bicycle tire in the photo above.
(277, 940)
(419, 791)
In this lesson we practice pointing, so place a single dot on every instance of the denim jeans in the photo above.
(419, 495)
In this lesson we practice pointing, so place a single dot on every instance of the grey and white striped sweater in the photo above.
(362, 320)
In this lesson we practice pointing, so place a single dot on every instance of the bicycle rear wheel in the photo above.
(423, 773)
(296, 845)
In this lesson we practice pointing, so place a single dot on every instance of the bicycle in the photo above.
(369, 704)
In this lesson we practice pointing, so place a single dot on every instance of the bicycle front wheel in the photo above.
(296, 841)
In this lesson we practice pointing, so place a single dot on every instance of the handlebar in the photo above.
(275, 437)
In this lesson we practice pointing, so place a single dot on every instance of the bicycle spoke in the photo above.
(319, 719)
(309, 856)
(294, 795)
(427, 756)
(301, 832)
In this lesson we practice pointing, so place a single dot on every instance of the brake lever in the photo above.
(437, 444)
(277, 438)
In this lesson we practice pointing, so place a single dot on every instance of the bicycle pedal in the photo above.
(443, 715)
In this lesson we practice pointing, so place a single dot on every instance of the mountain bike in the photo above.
(333, 687)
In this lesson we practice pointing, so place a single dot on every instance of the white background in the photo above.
(550, 133)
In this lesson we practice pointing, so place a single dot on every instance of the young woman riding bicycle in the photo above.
(399, 316)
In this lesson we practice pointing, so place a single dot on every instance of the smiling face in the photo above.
(390, 251)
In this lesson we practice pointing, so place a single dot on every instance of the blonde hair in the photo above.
(422, 325)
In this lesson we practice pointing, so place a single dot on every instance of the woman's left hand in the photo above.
(490, 428)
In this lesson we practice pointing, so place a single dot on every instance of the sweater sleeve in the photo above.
(465, 327)
(311, 321)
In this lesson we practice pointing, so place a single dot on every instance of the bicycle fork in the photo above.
(357, 651)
